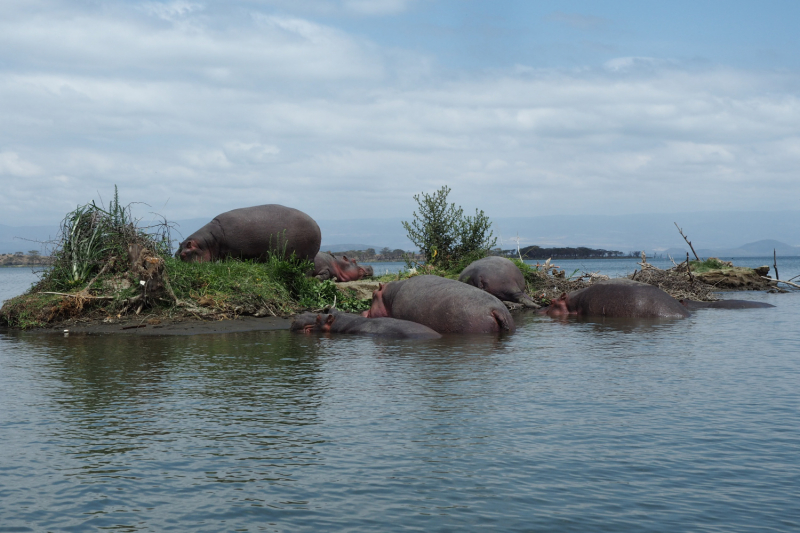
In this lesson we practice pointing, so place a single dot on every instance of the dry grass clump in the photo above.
(548, 283)
(677, 283)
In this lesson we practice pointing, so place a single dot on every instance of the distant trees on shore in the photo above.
(564, 252)
(370, 255)
(33, 258)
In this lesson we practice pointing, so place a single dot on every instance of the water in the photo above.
(686, 425)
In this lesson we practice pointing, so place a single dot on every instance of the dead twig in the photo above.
(108, 264)
(775, 263)
(685, 238)
(80, 294)
(795, 285)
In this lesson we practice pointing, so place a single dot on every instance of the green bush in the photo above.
(446, 238)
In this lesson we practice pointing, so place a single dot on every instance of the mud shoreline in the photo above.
(148, 326)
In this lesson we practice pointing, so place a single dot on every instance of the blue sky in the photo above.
(346, 109)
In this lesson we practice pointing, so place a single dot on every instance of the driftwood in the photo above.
(775, 263)
(795, 285)
(685, 238)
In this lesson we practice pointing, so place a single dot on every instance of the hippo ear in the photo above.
(563, 296)
(330, 319)
(344, 257)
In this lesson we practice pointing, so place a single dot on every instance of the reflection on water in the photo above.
(574, 425)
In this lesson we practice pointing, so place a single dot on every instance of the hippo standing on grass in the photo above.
(336, 322)
(444, 305)
(618, 298)
(328, 266)
(498, 276)
(254, 233)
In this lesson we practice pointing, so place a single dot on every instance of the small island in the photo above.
(109, 275)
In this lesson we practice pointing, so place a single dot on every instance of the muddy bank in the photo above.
(143, 326)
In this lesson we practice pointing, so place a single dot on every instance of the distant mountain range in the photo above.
(760, 248)
(712, 234)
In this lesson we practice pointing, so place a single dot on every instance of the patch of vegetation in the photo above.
(447, 239)
(712, 263)
(105, 266)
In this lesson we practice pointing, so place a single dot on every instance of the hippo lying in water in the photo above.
(621, 298)
(254, 233)
(500, 277)
(328, 266)
(444, 305)
(724, 304)
(336, 322)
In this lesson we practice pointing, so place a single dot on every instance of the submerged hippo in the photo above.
(336, 322)
(254, 233)
(444, 305)
(500, 277)
(328, 266)
(724, 304)
(621, 298)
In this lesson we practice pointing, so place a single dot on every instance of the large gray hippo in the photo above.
(724, 304)
(444, 305)
(336, 322)
(254, 233)
(498, 276)
(621, 298)
(328, 266)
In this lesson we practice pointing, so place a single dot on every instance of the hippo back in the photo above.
(447, 306)
(625, 298)
(253, 232)
(496, 275)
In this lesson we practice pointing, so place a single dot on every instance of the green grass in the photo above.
(280, 286)
(711, 263)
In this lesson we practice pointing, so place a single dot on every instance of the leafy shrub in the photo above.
(446, 238)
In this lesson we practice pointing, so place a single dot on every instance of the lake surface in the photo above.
(567, 425)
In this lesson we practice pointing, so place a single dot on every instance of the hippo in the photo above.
(724, 304)
(254, 233)
(444, 305)
(336, 322)
(328, 266)
(500, 277)
(621, 298)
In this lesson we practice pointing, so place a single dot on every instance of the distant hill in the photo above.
(762, 248)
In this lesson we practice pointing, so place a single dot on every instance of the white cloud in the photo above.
(377, 7)
(13, 165)
(170, 11)
(269, 108)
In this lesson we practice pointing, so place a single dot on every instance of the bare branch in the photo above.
(687, 241)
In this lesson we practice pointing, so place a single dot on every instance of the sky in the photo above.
(348, 108)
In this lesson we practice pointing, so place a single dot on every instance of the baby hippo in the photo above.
(336, 322)
(328, 266)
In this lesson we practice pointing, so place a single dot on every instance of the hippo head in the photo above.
(559, 307)
(324, 325)
(191, 250)
(363, 271)
(378, 307)
(305, 323)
